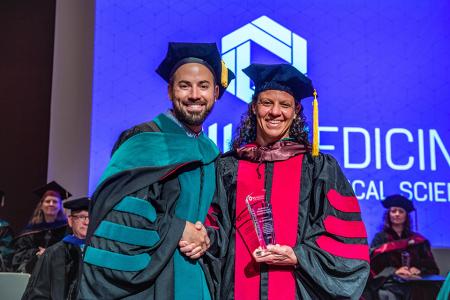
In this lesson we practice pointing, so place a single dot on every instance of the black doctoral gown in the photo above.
(27, 244)
(386, 257)
(158, 178)
(332, 255)
(55, 275)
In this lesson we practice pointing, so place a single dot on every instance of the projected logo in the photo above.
(271, 36)
(236, 52)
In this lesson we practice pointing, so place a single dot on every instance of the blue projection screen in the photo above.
(381, 69)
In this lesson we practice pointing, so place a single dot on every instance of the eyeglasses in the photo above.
(82, 218)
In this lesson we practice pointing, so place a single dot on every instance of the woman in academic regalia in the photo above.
(399, 255)
(47, 226)
(319, 248)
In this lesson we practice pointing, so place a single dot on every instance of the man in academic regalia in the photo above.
(55, 275)
(146, 230)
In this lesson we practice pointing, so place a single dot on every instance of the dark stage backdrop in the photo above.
(46, 53)
(381, 68)
(26, 55)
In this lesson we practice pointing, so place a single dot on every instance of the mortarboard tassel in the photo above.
(315, 146)
(224, 75)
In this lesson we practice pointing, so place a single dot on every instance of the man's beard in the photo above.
(191, 119)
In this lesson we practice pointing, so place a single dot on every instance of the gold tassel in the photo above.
(224, 75)
(315, 146)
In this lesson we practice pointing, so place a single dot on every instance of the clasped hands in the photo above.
(280, 255)
(408, 273)
(194, 241)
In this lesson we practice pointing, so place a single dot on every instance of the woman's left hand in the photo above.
(280, 255)
(414, 271)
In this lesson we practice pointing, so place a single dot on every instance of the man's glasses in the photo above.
(81, 218)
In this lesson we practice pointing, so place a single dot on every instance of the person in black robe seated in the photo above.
(309, 241)
(401, 260)
(56, 273)
(6, 237)
(6, 250)
(47, 226)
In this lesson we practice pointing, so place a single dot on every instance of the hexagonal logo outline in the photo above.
(270, 35)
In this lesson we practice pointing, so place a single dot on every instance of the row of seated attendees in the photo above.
(51, 243)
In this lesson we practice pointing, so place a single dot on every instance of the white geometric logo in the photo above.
(268, 34)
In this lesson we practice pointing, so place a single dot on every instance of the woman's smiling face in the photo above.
(275, 111)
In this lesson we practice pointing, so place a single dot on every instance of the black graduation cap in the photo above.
(282, 77)
(77, 204)
(398, 201)
(206, 54)
(52, 186)
(285, 77)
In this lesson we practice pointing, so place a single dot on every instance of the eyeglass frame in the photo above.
(78, 217)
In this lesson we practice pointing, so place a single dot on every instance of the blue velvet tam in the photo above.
(398, 201)
(77, 204)
(52, 186)
(282, 77)
(206, 54)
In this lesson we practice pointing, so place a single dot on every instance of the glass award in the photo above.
(406, 259)
(262, 219)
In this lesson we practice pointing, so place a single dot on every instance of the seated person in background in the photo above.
(398, 254)
(5, 245)
(6, 236)
(47, 226)
(56, 273)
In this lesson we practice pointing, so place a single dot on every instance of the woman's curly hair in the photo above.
(246, 131)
